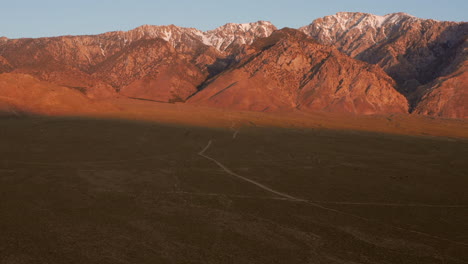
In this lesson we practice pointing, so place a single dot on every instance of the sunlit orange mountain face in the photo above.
(351, 63)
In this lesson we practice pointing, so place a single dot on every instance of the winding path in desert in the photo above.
(319, 204)
(266, 188)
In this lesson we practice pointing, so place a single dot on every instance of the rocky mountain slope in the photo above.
(85, 52)
(424, 60)
(5, 66)
(136, 58)
(162, 74)
(413, 51)
(447, 96)
(290, 70)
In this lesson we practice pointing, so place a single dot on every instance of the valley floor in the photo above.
(80, 190)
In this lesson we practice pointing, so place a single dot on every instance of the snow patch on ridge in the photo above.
(220, 38)
(349, 23)
(344, 19)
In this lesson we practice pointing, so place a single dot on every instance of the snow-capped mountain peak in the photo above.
(345, 21)
(232, 35)
(223, 38)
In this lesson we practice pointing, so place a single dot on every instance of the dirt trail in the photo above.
(266, 188)
(318, 205)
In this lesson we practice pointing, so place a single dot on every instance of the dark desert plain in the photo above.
(231, 187)
(343, 141)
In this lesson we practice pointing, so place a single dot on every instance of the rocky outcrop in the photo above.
(152, 69)
(5, 66)
(447, 96)
(290, 70)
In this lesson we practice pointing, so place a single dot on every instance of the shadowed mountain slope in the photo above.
(413, 51)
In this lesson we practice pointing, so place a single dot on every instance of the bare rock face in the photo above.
(66, 61)
(289, 70)
(80, 52)
(447, 96)
(152, 69)
(5, 66)
(413, 51)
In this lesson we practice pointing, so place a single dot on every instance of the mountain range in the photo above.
(346, 63)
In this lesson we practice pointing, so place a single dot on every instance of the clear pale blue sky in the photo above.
(36, 18)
